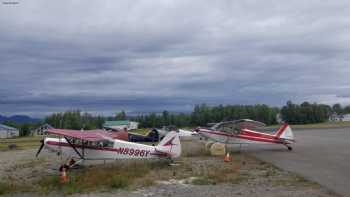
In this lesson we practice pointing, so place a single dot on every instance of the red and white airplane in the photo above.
(103, 145)
(242, 132)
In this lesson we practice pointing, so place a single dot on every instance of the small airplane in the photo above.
(103, 145)
(182, 132)
(244, 132)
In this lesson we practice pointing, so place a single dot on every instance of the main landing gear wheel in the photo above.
(208, 145)
(289, 147)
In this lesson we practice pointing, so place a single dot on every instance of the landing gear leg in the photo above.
(171, 162)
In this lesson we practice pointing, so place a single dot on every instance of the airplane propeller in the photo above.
(41, 147)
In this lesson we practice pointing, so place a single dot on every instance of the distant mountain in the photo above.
(20, 119)
(2, 118)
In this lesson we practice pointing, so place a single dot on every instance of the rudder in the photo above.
(285, 132)
(170, 144)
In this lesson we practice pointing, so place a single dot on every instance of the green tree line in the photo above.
(201, 115)
(75, 120)
(204, 114)
(307, 113)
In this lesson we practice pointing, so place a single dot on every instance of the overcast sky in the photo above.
(148, 56)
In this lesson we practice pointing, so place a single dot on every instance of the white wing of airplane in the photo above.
(239, 124)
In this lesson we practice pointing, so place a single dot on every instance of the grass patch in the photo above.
(5, 188)
(324, 125)
(294, 180)
(202, 181)
(21, 143)
(142, 131)
(213, 170)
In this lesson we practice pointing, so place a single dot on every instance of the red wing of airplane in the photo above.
(90, 135)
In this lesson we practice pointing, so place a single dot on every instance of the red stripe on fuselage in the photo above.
(247, 135)
(257, 134)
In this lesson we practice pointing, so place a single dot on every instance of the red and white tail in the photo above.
(170, 144)
(285, 132)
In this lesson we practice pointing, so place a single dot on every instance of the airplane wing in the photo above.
(239, 124)
(249, 124)
(90, 135)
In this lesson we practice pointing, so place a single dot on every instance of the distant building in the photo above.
(279, 119)
(338, 118)
(42, 130)
(346, 117)
(8, 132)
(121, 124)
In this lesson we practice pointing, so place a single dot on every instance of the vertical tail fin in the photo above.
(285, 132)
(170, 144)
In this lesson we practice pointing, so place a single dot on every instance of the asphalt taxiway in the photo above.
(321, 155)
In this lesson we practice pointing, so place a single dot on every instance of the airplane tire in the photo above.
(290, 148)
(208, 145)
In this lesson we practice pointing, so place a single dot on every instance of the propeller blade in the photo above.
(41, 147)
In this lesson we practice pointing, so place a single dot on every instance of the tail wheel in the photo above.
(289, 147)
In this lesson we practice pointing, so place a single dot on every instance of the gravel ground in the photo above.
(259, 178)
(244, 189)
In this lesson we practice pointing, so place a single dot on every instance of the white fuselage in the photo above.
(118, 149)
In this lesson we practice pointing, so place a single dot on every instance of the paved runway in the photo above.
(321, 155)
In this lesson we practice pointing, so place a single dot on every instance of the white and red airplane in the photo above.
(103, 145)
(241, 132)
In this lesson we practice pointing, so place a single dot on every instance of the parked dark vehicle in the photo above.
(152, 136)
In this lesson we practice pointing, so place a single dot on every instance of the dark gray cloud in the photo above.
(144, 56)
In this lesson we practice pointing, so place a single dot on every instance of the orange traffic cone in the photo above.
(64, 177)
(227, 157)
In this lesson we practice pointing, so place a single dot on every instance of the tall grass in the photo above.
(103, 177)
(4, 188)
(11, 186)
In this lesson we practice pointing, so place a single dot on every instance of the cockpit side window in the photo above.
(229, 128)
(106, 144)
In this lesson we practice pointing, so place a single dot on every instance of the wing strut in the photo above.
(83, 148)
(81, 156)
